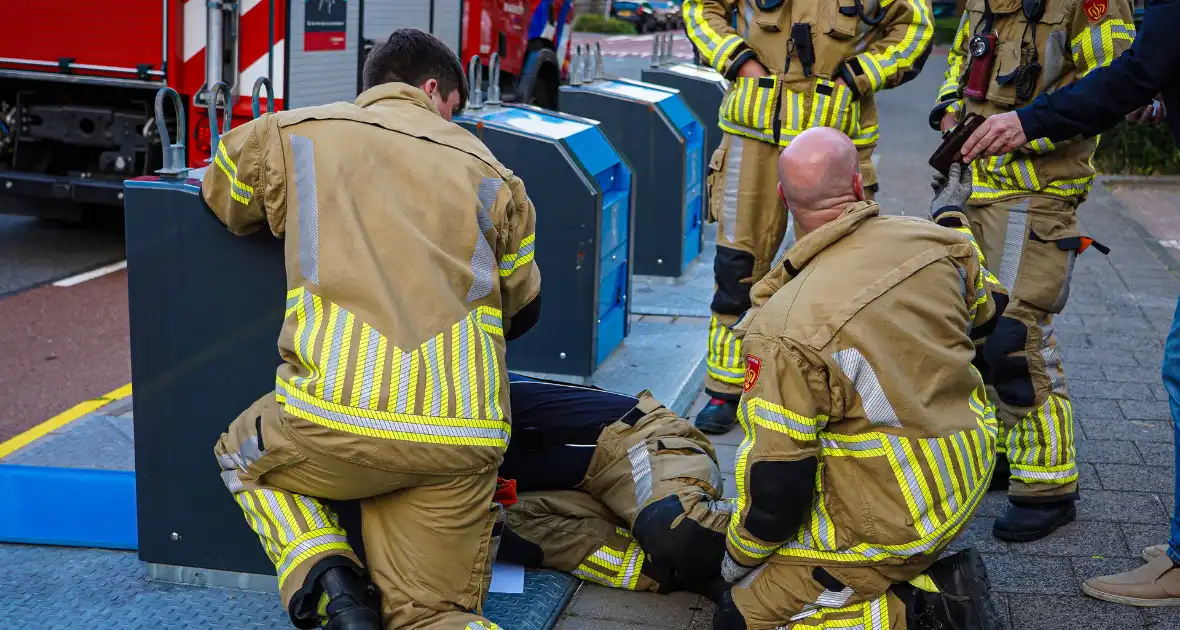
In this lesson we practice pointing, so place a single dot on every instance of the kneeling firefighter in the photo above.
(615, 489)
(393, 389)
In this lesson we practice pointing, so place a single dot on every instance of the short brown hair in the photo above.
(413, 56)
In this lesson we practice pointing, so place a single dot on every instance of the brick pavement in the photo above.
(1111, 336)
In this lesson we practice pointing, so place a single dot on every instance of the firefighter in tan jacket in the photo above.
(792, 65)
(1023, 209)
(616, 489)
(409, 261)
(869, 437)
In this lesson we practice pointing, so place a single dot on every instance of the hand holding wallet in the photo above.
(951, 149)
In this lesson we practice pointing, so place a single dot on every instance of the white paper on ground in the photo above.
(507, 578)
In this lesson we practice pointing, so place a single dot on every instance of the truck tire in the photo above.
(541, 79)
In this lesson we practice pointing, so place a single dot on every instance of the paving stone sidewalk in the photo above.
(1111, 336)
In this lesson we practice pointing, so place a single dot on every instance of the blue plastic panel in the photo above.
(612, 312)
(596, 154)
(72, 507)
(616, 216)
(676, 111)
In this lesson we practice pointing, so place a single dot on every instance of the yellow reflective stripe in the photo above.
(751, 548)
(523, 256)
(308, 545)
(238, 189)
(622, 569)
(777, 418)
(902, 55)
(1095, 46)
(713, 47)
(912, 483)
(957, 59)
(1041, 145)
(391, 425)
(954, 108)
(261, 526)
(725, 362)
(868, 135)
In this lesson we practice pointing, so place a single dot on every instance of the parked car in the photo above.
(641, 15)
(668, 14)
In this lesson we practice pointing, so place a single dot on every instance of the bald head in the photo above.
(819, 173)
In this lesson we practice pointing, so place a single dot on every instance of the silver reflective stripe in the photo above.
(272, 499)
(1063, 296)
(369, 367)
(968, 460)
(1055, 49)
(859, 446)
(249, 452)
(331, 385)
(1014, 239)
(944, 473)
(303, 154)
(311, 543)
(907, 469)
(716, 481)
(872, 68)
(629, 573)
(640, 473)
(434, 377)
(408, 361)
(1052, 360)
(1021, 473)
(729, 200)
(607, 559)
(483, 259)
(834, 599)
(749, 578)
(467, 388)
(491, 320)
(313, 508)
(783, 420)
(292, 301)
(875, 612)
(818, 513)
(724, 506)
(227, 462)
(868, 386)
(412, 428)
(232, 481)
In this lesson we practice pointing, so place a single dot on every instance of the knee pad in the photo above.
(780, 497)
(684, 552)
(1009, 374)
(727, 616)
(730, 269)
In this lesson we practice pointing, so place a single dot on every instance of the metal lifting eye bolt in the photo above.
(270, 97)
(494, 79)
(655, 50)
(475, 80)
(173, 154)
(218, 89)
(576, 66)
(599, 70)
(588, 66)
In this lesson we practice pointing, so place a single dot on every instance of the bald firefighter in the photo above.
(616, 489)
(791, 66)
(409, 262)
(1023, 209)
(869, 437)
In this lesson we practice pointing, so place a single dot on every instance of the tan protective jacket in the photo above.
(859, 354)
(409, 248)
(877, 58)
(1071, 39)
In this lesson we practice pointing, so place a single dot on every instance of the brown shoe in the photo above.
(1156, 583)
(1153, 552)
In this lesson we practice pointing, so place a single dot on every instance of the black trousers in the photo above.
(555, 427)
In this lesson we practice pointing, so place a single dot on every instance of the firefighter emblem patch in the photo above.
(753, 366)
(1095, 9)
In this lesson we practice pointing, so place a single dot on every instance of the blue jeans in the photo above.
(1171, 373)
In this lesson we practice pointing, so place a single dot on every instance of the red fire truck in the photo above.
(78, 78)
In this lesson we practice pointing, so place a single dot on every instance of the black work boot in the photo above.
(727, 616)
(718, 416)
(1026, 522)
(353, 601)
(963, 600)
(1001, 474)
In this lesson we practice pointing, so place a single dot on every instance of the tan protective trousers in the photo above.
(777, 595)
(428, 539)
(579, 534)
(1025, 242)
(646, 457)
(743, 200)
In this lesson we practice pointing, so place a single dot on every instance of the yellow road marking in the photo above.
(62, 419)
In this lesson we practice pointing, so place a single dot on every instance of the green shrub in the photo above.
(595, 23)
(1131, 149)
(944, 30)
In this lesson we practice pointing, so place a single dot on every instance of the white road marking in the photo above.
(90, 275)
(1171, 244)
